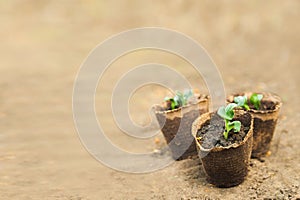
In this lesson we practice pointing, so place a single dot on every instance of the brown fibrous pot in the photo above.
(176, 126)
(226, 166)
(264, 122)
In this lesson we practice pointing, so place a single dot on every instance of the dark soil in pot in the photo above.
(264, 122)
(176, 127)
(211, 133)
(224, 161)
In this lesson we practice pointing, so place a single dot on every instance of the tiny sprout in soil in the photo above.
(242, 102)
(180, 99)
(227, 114)
(255, 100)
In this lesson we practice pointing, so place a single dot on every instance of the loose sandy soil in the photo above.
(255, 44)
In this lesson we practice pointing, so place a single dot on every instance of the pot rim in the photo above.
(202, 98)
(272, 97)
(195, 128)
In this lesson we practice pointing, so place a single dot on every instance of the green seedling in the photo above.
(255, 100)
(170, 103)
(227, 114)
(242, 101)
(180, 99)
(188, 94)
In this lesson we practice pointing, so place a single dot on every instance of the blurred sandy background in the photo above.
(255, 44)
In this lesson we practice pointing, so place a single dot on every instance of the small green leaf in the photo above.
(259, 97)
(222, 113)
(235, 125)
(179, 98)
(255, 100)
(173, 104)
(230, 107)
(229, 110)
(188, 94)
(241, 102)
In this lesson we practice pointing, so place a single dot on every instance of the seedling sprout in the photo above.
(180, 99)
(227, 114)
(255, 100)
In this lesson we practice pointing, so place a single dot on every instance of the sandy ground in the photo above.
(255, 44)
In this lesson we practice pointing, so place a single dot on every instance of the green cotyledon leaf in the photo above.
(235, 125)
(242, 101)
(255, 100)
(222, 113)
(229, 110)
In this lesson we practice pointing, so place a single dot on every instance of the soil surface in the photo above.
(264, 105)
(255, 45)
(211, 133)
